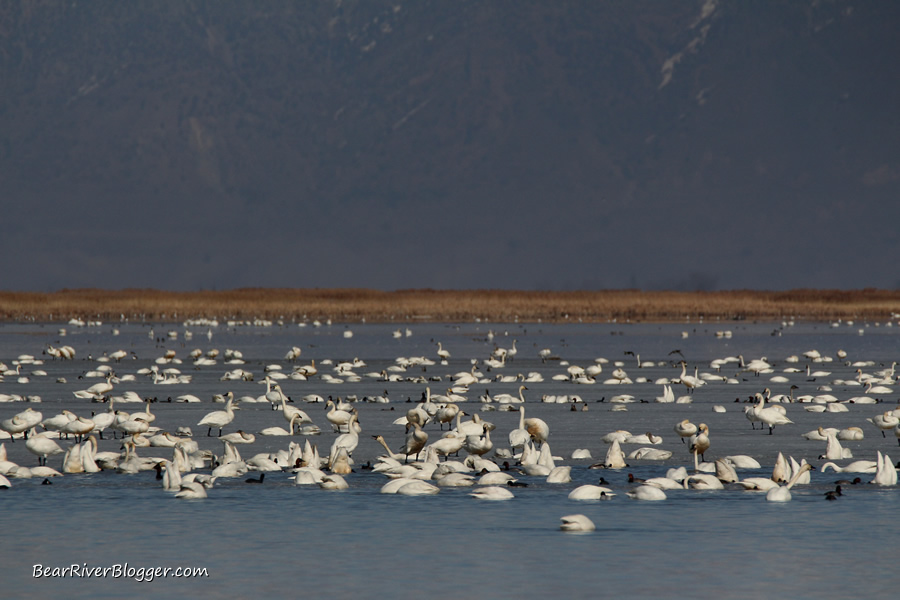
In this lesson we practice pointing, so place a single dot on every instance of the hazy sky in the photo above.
(722, 146)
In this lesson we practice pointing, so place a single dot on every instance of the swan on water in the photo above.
(576, 523)
(783, 493)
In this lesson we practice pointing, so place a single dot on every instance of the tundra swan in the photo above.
(857, 466)
(492, 492)
(591, 492)
(647, 492)
(519, 437)
(333, 482)
(834, 450)
(576, 523)
(191, 490)
(415, 441)
(650, 454)
(219, 418)
(700, 442)
(885, 421)
(885, 473)
(783, 493)
(21, 422)
(685, 429)
(42, 446)
(691, 382)
(417, 487)
(479, 444)
(771, 415)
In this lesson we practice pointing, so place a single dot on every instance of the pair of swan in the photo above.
(691, 382)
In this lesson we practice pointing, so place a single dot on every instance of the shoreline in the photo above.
(428, 305)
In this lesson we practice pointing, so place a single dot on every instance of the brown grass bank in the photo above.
(446, 305)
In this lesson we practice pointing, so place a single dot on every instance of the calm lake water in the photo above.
(279, 539)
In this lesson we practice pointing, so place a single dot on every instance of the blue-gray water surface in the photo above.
(279, 539)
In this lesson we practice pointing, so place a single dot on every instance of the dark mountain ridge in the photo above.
(387, 115)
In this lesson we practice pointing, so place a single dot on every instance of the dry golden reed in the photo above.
(446, 305)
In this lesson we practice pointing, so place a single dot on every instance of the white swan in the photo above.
(703, 481)
(591, 492)
(771, 415)
(646, 438)
(96, 391)
(492, 492)
(333, 482)
(453, 479)
(448, 445)
(725, 471)
(519, 437)
(479, 444)
(691, 382)
(857, 466)
(416, 439)
(279, 431)
(42, 446)
(885, 473)
(21, 422)
(219, 418)
(650, 454)
(395, 484)
(191, 490)
(647, 492)
(290, 413)
(685, 429)
(561, 474)
(665, 483)
(171, 480)
(417, 487)
(576, 523)
(615, 457)
(339, 419)
(700, 443)
(885, 421)
(851, 434)
(446, 414)
(308, 476)
(781, 471)
(742, 461)
(79, 427)
(783, 493)
(834, 450)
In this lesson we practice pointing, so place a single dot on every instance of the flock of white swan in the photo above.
(445, 443)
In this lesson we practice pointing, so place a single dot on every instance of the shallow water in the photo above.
(279, 539)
